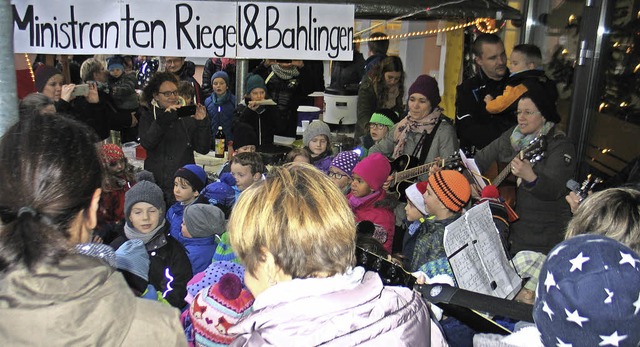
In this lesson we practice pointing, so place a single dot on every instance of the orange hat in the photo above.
(452, 188)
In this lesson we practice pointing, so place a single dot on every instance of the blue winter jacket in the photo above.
(221, 114)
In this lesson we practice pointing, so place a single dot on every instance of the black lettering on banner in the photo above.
(271, 26)
(251, 24)
(27, 20)
(181, 25)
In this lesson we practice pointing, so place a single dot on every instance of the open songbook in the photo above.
(477, 257)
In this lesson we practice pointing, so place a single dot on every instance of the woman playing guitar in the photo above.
(540, 193)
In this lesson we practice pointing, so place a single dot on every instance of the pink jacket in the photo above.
(381, 215)
(312, 312)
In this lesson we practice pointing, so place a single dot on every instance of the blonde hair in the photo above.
(613, 213)
(300, 217)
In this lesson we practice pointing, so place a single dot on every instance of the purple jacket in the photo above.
(344, 310)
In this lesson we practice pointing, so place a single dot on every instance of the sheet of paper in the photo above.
(476, 255)
(266, 102)
(471, 165)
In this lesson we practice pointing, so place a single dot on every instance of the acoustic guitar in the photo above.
(534, 152)
(463, 304)
(406, 167)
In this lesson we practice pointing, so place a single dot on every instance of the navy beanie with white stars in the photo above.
(589, 294)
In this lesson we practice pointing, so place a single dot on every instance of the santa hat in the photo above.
(414, 194)
(217, 308)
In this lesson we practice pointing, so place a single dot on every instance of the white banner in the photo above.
(189, 28)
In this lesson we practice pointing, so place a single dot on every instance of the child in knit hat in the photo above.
(367, 198)
(217, 308)
(210, 276)
(379, 126)
(263, 118)
(317, 141)
(447, 192)
(202, 223)
(221, 105)
(589, 294)
(221, 193)
(169, 268)
(122, 85)
(245, 140)
(117, 180)
(189, 181)
(341, 170)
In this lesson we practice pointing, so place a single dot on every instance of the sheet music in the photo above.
(471, 165)
(476, 255)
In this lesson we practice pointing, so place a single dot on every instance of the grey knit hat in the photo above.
(314, 129)
(204, 220)
(143, 191)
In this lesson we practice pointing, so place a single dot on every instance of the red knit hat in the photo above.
(452, 188)
(111, 153)
(374, 169)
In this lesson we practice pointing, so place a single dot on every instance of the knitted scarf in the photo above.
(285, 74)
(219, 100)
(520, 140)
(133, 234)
(407, 125)
(356, 202)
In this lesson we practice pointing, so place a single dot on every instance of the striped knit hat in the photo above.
(452, 188)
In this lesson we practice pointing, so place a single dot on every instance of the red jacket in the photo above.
(378, 213)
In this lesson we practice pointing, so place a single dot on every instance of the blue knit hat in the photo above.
(589, 294)
(115, 62)
(254, 81)
(221, 193)
(220, 74)
(194, 174)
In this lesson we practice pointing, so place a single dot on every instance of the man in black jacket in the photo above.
(476, 127)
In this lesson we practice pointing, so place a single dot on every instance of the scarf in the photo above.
(520, 140)
(407, 125)
(220, 100)
(133, 234)
(391, 97)
(284, 74)
(97, 250)
(356, 202)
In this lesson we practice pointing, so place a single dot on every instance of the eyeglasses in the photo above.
(377, 126)
(526, 113)
(334, 174)
(169, 93)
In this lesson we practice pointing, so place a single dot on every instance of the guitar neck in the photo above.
(416, 171)
(501, 176)
(506, 171)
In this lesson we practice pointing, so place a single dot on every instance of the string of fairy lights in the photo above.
(484, 25)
